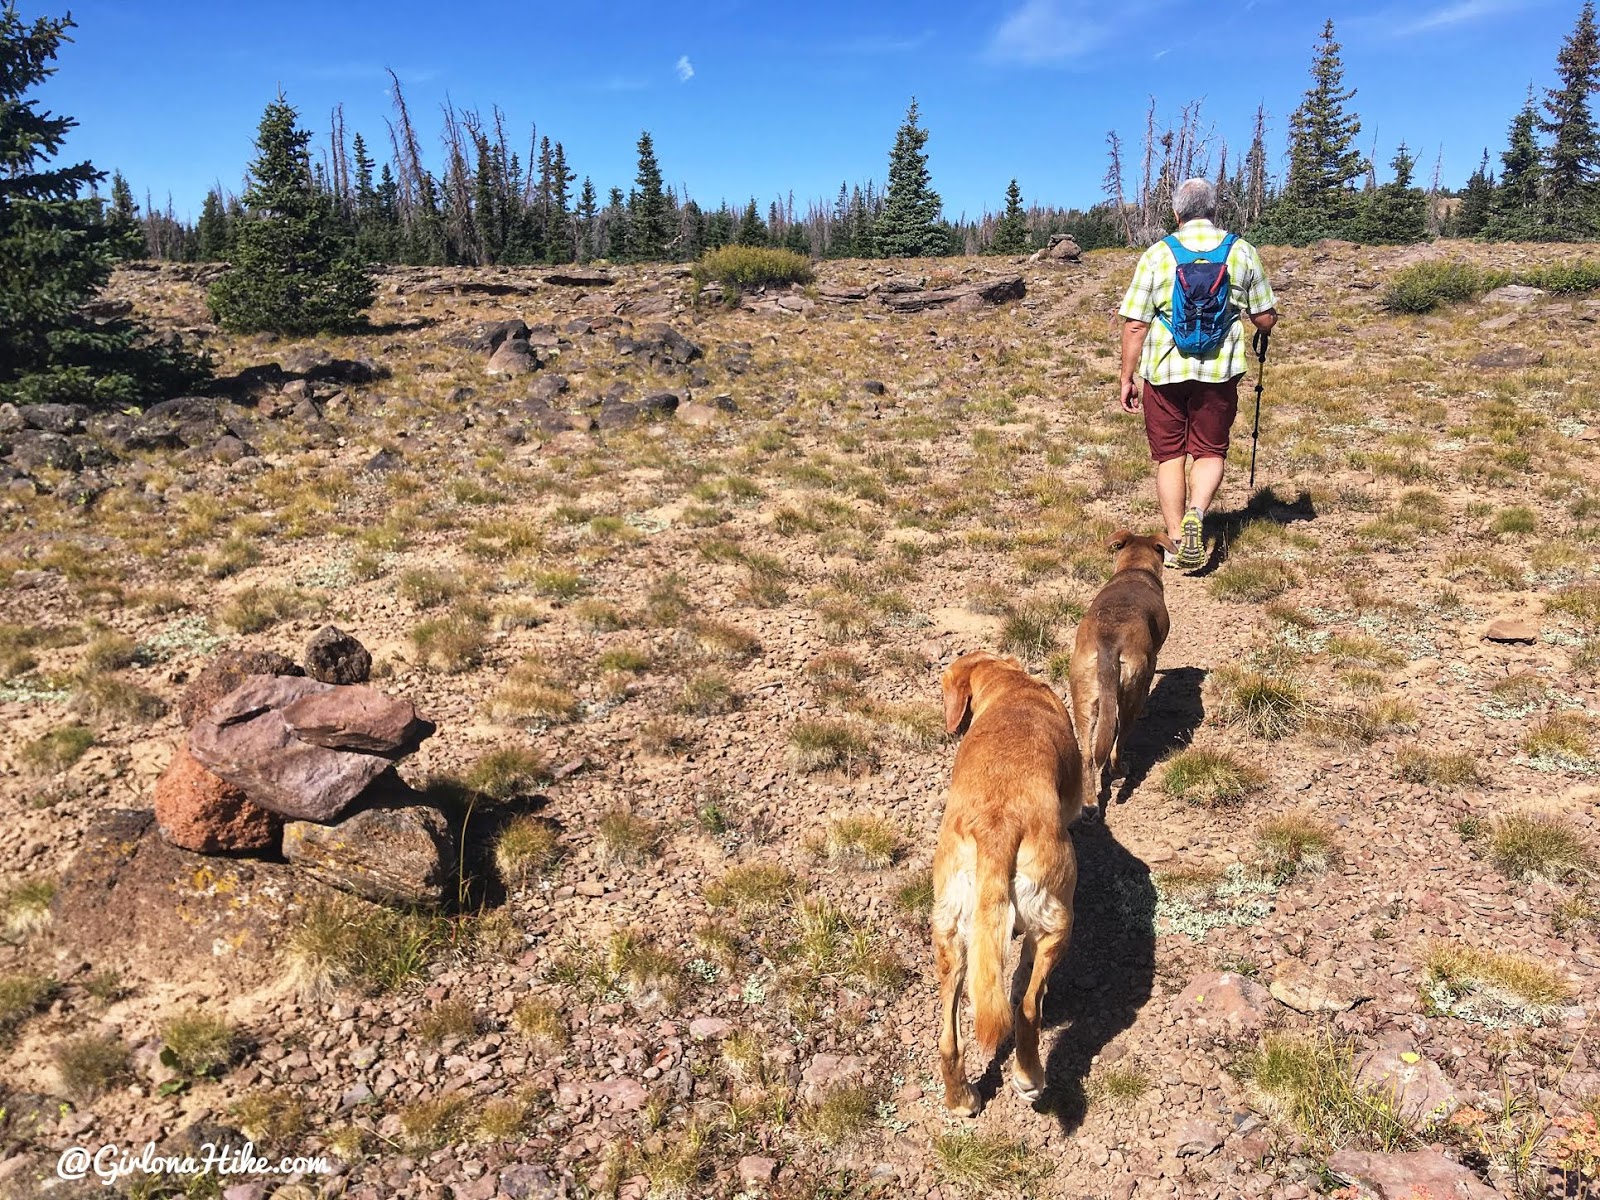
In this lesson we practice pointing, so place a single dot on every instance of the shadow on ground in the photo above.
(1171, 715)
(1265, 505)
(1107, 974)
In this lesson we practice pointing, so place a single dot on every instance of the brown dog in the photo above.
(1004, 860)
(1114, 654)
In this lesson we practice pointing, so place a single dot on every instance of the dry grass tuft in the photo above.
(1213, 778)
(1539, 845)
(823, 745)
(524, 849)
(539, 1021)
(1294, 842)
(863, 840)
(622, 836)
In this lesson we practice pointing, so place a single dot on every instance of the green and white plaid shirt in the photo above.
(1150, 294)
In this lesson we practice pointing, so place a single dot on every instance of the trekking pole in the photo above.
(1259, 344)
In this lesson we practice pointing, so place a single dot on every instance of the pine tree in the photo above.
(617, 235)
(123, 214)
(841, 237)
(1514, 208)
(1395, 213)
(648, 226)
(291, 272)
(692, 230)
(559, 244)
(752, 229)
(1573, 158)
(211, 233)
(586, 221)
(57, 251)
(1323, 158)
(1011, 230)
(720, 228)
(797, 238)
(1472, 217)
(908, 226)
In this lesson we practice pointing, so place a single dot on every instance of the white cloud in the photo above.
(684, 68)
(1459, 13)
(1058, 31)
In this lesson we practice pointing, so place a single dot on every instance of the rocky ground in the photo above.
(704, 564)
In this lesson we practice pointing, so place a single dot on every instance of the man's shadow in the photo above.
(1107, 974)
(1171, 715)
(1222, 528)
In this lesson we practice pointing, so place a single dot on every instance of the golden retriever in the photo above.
(1004, 861)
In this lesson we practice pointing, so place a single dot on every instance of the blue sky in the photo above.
(748, 98)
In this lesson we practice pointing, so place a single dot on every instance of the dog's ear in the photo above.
(1165, 542)
(956, 683)
(1119, 539)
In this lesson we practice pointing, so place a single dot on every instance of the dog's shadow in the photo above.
(1107, 974)
(1171, 715)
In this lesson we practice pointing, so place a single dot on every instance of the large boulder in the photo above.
(55, 418)
(1063, 248)
(246, 740)
(358, 718)
(32, 449)
(226, 672)
(393, 852)
(197, 811)
(993, 290)
(1409, 1175)
(514, 357)
(333, 656)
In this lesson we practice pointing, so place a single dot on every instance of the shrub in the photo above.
(739, 267)
(1425, 286)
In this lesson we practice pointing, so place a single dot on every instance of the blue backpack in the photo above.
(1202, 307)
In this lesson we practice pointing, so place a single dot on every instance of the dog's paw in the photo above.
(1027, 1089)
(964, 1105)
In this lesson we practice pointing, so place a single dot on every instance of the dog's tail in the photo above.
(990, 934)
(1107, 711)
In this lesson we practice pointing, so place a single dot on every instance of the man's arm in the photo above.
(1264, 321)
(1133, 334)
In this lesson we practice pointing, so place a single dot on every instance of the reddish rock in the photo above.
(700, 414)
(1299, 987)
(1194, 1138)
(625, 1094)
(1406, 1176)
(391, 853)
(1224, 998)
(1415, 1085)
(358, 718)
(829, 1071)
(246, 741)
(702, 1028)
(1511, 629)
(753, 1168)
(195, 810)
(226, 672)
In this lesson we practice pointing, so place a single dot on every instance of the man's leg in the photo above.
(1169, 494)
(1204, 480)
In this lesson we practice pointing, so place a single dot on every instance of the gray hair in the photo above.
(1195, 199)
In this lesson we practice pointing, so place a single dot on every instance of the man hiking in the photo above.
(1182, 335)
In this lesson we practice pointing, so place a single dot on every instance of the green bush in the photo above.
(1565, 279)
(739, 267)
(1428, 285)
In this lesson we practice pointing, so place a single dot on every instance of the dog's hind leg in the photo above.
(950, 960)
(1049, 929)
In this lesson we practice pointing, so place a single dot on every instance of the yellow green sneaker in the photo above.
(1192, 545)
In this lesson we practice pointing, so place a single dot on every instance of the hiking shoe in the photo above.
(1192, 549)
(1170, 558)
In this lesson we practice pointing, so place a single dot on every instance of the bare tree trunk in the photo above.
(1255, 198)
(1113, 185)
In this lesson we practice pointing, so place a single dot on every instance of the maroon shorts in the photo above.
(1190, 418)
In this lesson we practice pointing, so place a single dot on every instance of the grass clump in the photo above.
(524, 849)
(1267, 706)
(342, 942)
(275, 1116)
(629, 659)
(197, 1044)
(110, 652)
(1442, 768)
(836, 674)
(1251, 580)
(449, 1019)
(453, 643)
(1423, 287)
(644, 969)
(25, 906)
(92, 1064)
(1538, 845)
(253, 609)
(1294, 842)
(839, 1114)
(738, 268)
(917, 725)
(540, 1023)
(109, 697)
(864, 840)
(1361, 652)
(721, 639)
(752, 888)
(1029, 633)
(625, 837)
(824, 745)
(1563, 737)
(705, 694)
(57, 750)
(983, 1163)
(914, 897)
(1311, 1082)
(429, 1124)
(1468, 982)
(21, 995)
(1581, 602)
(532, 693)
(1365, 723)
(1213, 778)
(508, 772)
(424, 589)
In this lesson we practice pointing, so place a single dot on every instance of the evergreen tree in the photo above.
(720, 228)
(559, 244)
(648, 226)
(752, 230)
(618, 238)
(1572, 167)
(1323, 158)
(1011, 230)
(123, 214)
(291, 272)
(841, 237)
(908, 225)
(57, 251)
(490, 217)
(1472, 217)
(211, 234)
(692, 230)
(586, 221)
(797, 238)
(1395, 213)
(1514, 208)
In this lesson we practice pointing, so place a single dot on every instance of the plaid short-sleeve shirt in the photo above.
(1150, 296)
